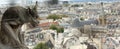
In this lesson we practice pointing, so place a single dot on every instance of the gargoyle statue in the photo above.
(12, 20)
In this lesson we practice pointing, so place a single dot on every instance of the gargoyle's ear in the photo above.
(36, 5)
(28, 9)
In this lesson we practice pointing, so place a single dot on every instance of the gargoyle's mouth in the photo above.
(34, 23)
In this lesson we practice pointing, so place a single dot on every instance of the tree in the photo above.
(82, 18)
(64, 15)
(81, 5)
(58, 29)
(53, 27)
(41, 46)
(75, 5)
(89, 4)
(54, 17)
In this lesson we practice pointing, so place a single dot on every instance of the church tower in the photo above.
(102, 17)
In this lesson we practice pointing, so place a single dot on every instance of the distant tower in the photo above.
(102, 18)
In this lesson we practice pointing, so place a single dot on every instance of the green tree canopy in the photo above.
(82, 18)
(41, 46)
(53, 27)
(75, 5)
(63, 15)
(54, 17)
(58, 29)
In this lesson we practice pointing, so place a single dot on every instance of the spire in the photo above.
(103, 13)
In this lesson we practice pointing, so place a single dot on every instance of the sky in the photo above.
(93, 0)
(19, 1)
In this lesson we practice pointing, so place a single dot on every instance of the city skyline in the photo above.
(19, 1)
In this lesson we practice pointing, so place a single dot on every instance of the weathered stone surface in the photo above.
(12, 20)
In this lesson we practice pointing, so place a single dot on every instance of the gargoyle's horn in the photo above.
(36, 5)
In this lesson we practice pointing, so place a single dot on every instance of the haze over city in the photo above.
(59, 24)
